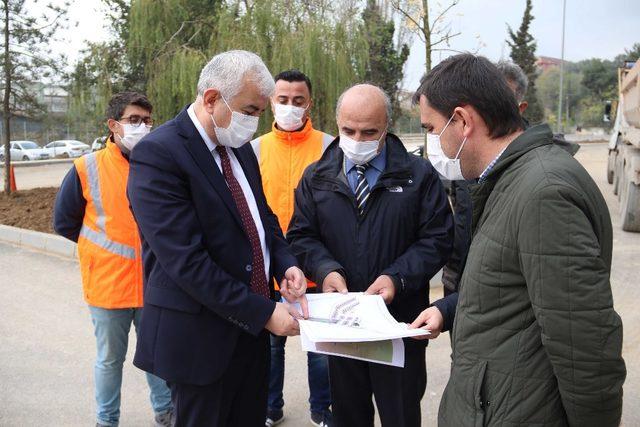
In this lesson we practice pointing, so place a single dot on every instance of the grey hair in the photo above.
(226, 71)
(387, 101)
(513, 73)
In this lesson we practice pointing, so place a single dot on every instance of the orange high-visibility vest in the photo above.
(109, 244)
(283, 157)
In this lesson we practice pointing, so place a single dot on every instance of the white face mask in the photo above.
(240, 130)
(288, 117)
(360, 152)
(449, 168)
(133, 134)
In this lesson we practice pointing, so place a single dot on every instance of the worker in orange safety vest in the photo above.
(92, 209)
(283, 155)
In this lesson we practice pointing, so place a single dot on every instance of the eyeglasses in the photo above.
(134, 119)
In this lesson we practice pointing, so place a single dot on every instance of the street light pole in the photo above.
(559, 127)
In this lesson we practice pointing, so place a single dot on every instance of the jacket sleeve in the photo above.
(70, 204)
(461, 203)
(303, 234)
(161, 202)
(568, 284)
(426, 256)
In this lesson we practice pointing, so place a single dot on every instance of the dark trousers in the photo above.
(318, 376)
(238, 399)
(398, 391)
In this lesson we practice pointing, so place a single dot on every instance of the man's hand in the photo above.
(294, 282)
(334, 282)
(384, 287)
(430, 319)
(284, 321)
(293, 288)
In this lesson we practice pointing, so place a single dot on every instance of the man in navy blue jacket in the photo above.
(211, 248)
(370, 217)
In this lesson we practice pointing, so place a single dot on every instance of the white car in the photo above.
(99, 143)
(25, 150)
(67, 148)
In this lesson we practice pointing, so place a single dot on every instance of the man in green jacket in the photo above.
(536, 338)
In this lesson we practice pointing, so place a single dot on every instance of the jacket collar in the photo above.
(205, 161)
(331, 162)
(530, 139)
(294, 137)
(113, 151)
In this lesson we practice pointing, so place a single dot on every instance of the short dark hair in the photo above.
(294, 75)
(467, 79)
(119, 102)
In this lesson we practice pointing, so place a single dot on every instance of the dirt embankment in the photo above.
(31, 209)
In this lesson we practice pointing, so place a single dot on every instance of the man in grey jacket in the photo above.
(536, 338)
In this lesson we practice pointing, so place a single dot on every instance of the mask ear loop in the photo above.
(464, 141)
(225, 103)
(447, 125)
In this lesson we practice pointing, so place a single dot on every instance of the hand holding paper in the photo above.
(334, 282)
(431, 320)
(293, 288)
(384, 287)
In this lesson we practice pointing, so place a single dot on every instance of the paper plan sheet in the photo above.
(354, 325)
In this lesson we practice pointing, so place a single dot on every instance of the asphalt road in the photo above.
(36, 174)
(47, 344)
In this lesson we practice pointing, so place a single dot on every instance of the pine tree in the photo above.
(523, 52)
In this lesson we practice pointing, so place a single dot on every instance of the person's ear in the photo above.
(523, 106)
(209, 97)
(113, 125)
(467, 116)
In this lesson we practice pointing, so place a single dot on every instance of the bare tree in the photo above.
(26, 60)
(436, 33)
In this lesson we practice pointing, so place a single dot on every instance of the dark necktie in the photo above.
(362, 188)
(258, 279)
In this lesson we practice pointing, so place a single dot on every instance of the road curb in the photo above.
(44, 242)
(35, 163)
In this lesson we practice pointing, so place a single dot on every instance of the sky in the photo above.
(594, 29)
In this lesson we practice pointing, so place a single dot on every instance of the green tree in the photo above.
(26, 60)
(523, 52)
(170, 41)
(632, 54)
(386, 62)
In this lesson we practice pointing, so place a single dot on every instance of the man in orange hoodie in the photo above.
(283, 155)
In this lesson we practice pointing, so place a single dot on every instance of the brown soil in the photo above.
(31, 209)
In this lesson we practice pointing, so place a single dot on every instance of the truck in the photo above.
(623, 166)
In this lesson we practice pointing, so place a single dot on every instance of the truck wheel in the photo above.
(622, 184)
(618, 175)
(630, 207)
(613, 154)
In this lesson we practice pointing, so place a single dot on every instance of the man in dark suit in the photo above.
(211, 248)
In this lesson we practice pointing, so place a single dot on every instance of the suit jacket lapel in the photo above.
(204, 159)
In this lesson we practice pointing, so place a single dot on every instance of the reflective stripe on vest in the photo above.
(99, 238)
